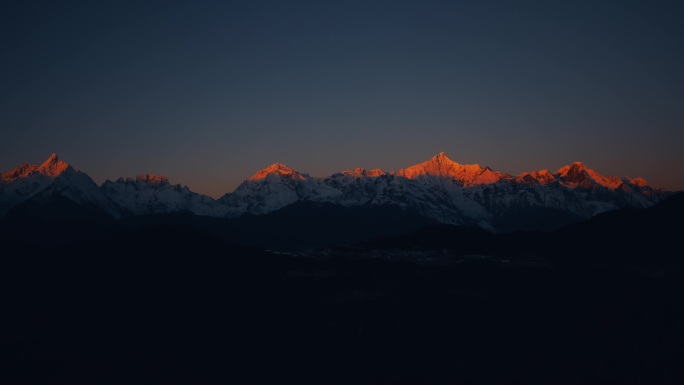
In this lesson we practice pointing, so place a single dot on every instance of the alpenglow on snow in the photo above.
(439, 188)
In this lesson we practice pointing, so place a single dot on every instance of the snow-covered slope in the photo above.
(52, 179)
(448, 191)
(441, 168)
(273, 188)
(439, 188)
(149, 194)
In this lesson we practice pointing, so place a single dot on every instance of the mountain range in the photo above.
(439, 189)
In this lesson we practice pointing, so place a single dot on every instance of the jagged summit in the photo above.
(152, 194)
(438, 165)
(443, 159)
(276, 169)
(542, 177)
(572, 168)
(150, 179)
(51, 184)
(52, 167)
(442, 167)
(361, 172)
(578, 174)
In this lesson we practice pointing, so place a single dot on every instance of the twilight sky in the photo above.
(209, 92)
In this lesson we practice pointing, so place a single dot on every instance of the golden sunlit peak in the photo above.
(443, 159)
(441, 166)
(441, 156)
(572, 168)
(53, 166)
(639, 182)
(277, 166)
(579, 174)
(541, 176)
(276, 169)
(52, 158)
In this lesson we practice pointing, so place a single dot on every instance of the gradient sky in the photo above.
(209, 92)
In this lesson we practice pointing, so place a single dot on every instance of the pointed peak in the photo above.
(441, 157)
(440, 166)
(572, 168)
(444, 161)
(52, 160)
(276, 169)
(53, 166)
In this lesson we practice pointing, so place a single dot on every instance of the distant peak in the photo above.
(639, 182)
(442, 167)
(443, 160)
(541, 176)
(358, 172)
(276, 169)
(52, 160)
(53, 166)
(579, 174)
(152, 179)
(572, 168)
(441, 157)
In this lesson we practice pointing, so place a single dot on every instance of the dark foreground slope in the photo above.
(299, 226)
(302, 225)
(173, 304)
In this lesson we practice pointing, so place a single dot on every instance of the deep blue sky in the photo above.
(208, 92)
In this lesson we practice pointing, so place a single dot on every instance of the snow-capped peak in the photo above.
(578, 174)
(52, 167)
(276, 169)
(22, 171)
(441, 166)
(639, 182)
(541, 177)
